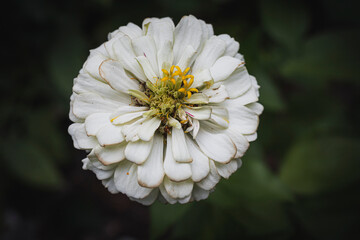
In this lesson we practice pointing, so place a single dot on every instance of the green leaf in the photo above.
(285, 21)
(269, 93)
(66, 59)
(254, 197)
(327, 56)
(49, 135)
(331, 216)
(29, 163)
(321, 165)
(345, 11)
(164, 216)
(201, 221)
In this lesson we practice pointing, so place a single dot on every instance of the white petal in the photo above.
(131, 30)
(100, 173)
(213, 49)
(239, 140)
(127, 117)
(196, 128)
(199, 193)
(80, 138)
(244, 119)
(89, 103)
(232, 46)
(108, 46)
(198, 98)
(113, 73)
(150, 199)
(151, 172)
(85, 84)
(162, 31)
(210, 30)
(110, 185)
(248, 97)
(130, 130)
(165, 195)
(240, 57)
(95, 121)
(187, 32)
(225, 170)
(92, 64)
(207, 31)
(147, 21)
(148, 128)
(172, 122)
(125, 178)
(99, 50)
(186, 58)
(110, 154)
(97, 164)
(174, 170)
(179, 147)
(110, 135)
(72, 116)
(114, 34)
(178, 189)
(216, 94)
(126, 109)
(239, 162)
(251, 137)
(145, 46)
(211, 180)
(182, 114)
(126, 56)
(216, 145)
(255, 85)
(147, 68)
(200, 113)
(165, 57)
(185, 199)
(238, 83)
(200, 165)
(224, 67)
(201, 77)
(220, 116)
(256, 107)
(137, 152)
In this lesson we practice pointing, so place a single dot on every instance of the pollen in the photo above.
(179, 80)
(167, 94)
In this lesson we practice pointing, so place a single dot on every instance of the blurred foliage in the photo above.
(286, 22)
(319, 165)
(322, 52)
(299, 180)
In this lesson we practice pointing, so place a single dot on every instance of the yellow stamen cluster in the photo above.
(166, 96)
(181, 80)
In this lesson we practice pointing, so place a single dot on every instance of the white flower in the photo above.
(164, 111)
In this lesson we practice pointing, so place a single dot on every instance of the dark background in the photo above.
(299, 180)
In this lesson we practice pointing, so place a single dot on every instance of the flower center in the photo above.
(166, 95)
(179, 80)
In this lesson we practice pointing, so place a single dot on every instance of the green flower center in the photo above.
(165, 101)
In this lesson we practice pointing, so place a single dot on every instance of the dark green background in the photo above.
(299, 180)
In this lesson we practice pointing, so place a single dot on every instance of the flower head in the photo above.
(164, 111)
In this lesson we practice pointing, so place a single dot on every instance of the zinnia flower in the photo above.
(164, 112)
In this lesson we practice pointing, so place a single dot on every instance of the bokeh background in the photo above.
(299, 180)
